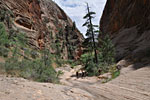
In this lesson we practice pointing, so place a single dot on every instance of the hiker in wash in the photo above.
(80, 72)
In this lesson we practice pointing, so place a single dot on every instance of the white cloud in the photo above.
(76, 9)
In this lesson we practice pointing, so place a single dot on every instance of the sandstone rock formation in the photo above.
(128, 23)
(44, 22)
(130, 85)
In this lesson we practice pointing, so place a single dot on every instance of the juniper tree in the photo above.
(90, 33)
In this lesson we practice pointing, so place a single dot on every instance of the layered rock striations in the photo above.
(128, 24)
(44, 23)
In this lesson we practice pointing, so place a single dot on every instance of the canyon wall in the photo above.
(45, 24)
(128, 24)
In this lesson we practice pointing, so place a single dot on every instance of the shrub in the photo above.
(89, 65)
(104, 67)
(4, 51)
(12, 65)
(106, 51)
(114, 71)
(59, 61)
(73, 63)
(115, 74)
(2, 69)
(106, 54)
(2, 14)
(34, 54)
(37, 69)
(3, 35)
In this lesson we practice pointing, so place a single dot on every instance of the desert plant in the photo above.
(36, 69)
(106, 51)
(3, 35)
(4, 51)
(90, 67)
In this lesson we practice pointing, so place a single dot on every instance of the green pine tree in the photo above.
(107, 50)
(90, 33)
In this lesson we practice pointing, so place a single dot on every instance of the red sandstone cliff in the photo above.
(128, 23)
(44, 22)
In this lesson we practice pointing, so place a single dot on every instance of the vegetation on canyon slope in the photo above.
(24, 61)
(20, 60)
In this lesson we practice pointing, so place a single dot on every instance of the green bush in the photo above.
(106, 54)
(2, 14)
(34, 54)
(3, 41)
(2, 69)
(3, 35)
(106, 51)
(73, 63)
(59, 61)
(12, 64)
(115, 74)
(114, 71)
(88, 62)
(4, 51)
(38, 69)
(104, 67)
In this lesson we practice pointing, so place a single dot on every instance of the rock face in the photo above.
(45, 24)
(128, 23)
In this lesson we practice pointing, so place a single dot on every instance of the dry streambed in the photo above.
(128, 86)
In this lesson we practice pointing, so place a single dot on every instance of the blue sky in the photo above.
(76, 9)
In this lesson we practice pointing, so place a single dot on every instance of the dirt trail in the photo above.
(128, 86)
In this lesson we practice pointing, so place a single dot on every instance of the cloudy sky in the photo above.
(76, 9)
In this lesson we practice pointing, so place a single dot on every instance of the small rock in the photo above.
(105, 76)
(122, 63)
